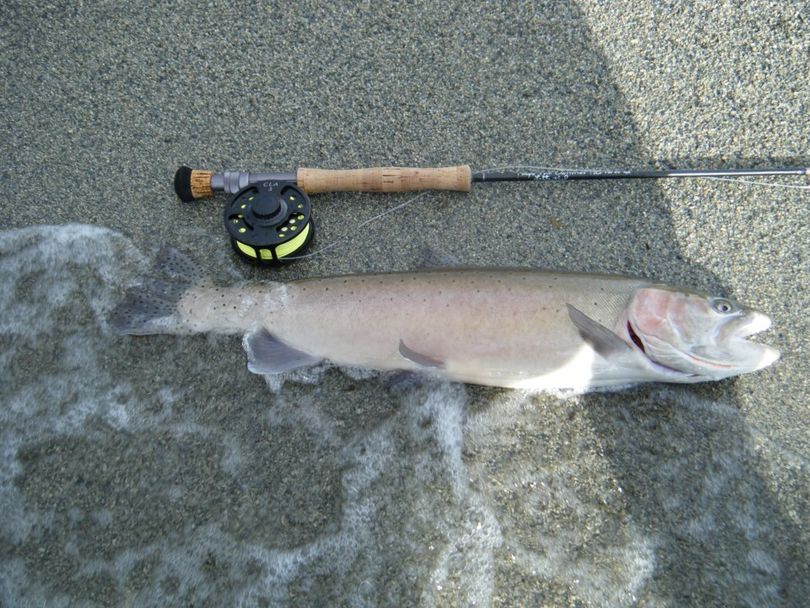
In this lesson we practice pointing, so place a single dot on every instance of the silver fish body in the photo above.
(509, 328)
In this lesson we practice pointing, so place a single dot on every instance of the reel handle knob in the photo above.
(385, 179)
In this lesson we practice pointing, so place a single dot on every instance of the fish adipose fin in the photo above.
(604, 341)
(269, 355)
(151, 307)
(418, 358)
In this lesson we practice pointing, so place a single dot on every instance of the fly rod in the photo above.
(192, 184)
(269, 215)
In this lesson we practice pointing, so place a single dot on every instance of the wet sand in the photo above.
(159, 471)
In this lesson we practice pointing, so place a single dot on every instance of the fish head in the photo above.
(696, 334)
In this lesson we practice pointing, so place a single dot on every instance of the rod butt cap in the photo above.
(182, 184)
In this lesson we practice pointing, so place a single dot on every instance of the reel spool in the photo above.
(269, 221)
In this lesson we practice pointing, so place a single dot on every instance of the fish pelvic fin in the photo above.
(420, 359)
(151, 306)
(269, 355)
(603, 340)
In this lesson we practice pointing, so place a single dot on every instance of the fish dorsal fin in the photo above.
(604, 341)
(269, 355)
(432, 258)
(420, 359)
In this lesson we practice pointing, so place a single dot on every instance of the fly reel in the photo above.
(269, 221)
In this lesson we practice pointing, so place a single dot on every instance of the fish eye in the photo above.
(723, 306)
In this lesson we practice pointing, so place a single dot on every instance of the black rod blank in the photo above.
(539, 175)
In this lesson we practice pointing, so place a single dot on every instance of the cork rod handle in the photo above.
(385, 179)
(193, 184)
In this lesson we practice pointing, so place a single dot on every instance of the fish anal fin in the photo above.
(269, 355)
(420, 359)
(603, 340)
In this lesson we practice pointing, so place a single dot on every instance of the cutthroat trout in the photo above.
(512, 328)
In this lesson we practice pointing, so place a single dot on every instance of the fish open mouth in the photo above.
(735, 334)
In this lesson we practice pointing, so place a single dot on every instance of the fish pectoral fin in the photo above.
(269, 355)
(420, 359)
(604, 341)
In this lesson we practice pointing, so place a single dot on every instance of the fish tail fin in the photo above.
(151, 306)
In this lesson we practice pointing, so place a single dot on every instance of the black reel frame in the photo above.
(269, 222)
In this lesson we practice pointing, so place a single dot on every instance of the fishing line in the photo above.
(342, 239)
(739, 180)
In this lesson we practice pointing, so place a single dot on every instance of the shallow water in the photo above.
(154, 471)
